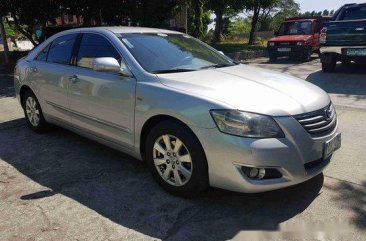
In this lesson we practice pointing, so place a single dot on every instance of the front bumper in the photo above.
(294, 50)
(291, 156)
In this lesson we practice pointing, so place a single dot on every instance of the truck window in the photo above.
(354, 14)
(296, 28)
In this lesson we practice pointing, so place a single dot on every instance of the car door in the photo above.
(102, 103)
(50, 73)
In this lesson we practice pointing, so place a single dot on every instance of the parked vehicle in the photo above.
(344, 38)
(196, 117)
(297, 37)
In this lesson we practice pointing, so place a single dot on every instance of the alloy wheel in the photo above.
(172, 160)
(32, 110)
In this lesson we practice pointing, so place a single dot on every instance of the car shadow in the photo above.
(120, 188)
(340, 81)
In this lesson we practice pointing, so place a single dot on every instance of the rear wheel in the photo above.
(33, 113)
(329, 63)
(176, 159)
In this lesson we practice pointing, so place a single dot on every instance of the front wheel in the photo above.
(272, 58)
(176, 159)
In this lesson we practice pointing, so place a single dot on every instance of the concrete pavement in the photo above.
(60, 186)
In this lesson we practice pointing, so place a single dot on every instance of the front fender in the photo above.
(153, 99)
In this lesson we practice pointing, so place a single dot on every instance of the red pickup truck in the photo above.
(297, 37)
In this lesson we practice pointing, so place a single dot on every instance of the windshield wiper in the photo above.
(215, 66)
(164, 71)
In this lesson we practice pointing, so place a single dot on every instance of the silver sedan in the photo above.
(195, 116)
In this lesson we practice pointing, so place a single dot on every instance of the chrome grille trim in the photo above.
(320, 122)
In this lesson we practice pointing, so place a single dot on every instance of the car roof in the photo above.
(127, 29)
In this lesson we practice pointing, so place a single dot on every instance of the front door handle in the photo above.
(73, 78)
(33, 69)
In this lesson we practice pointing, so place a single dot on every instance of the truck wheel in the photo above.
(307, 55)
(346, 62)
(272, 58)
(328, 63)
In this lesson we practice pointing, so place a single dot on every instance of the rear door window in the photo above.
(60, 51)
(354, 14)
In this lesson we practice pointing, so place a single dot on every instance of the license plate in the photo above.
(331, 146)
(356, 52)
(284, 49)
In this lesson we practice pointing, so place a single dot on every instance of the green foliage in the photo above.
(29, 14)
(10, 31)
(239, 26)
(283, 9)
(224, 10)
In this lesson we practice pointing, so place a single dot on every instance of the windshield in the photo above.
(169, 53)
(296, 28)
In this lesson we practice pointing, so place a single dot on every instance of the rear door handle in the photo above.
(73, 78)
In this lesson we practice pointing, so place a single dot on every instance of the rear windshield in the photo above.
(354, 14)
(296, 28)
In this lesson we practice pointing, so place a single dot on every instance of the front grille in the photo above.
(320, 122)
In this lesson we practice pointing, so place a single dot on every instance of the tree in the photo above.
(197, 6)
(27, 14)
(325, 12)
(256, 6)
(223, 9)
(277, 14)
(240, 26)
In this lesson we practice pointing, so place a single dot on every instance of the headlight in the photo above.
(245, 124)
(271, 43)
(300, 43)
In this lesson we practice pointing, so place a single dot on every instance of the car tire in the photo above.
(182, 171)
(329, 63)
(33, 113)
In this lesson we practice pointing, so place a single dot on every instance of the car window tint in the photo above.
(95, 46)
(61, 49)
(354, 14)
(42, 56)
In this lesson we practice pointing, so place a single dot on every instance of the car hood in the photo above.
(289, 38)
(251, 89)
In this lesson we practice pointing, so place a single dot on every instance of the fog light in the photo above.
(257, 173)
(253, 172)
(262, 173)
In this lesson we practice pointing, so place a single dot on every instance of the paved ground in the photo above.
(60, 186)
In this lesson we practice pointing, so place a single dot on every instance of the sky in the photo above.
(320, 5)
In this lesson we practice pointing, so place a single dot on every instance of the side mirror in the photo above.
(111, 65)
